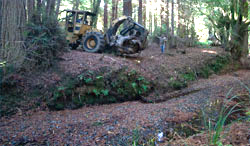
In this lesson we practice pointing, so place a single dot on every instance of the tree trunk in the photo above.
(179, 18)
(140, 12)
(0, 21)
(144, 13)
(96, 6)
(172, 19)
(51, 7)
(127, 7)
(113, 9)
(76, 4)
(167, 18)
(105, 15)
(151, 22)
(162, 15)
(13, 22)
(48, 7)
(116, 9)
(239, 41)
(38, 13)
(155, 17)
(31, 9)
(245, 50)
(172, 25)
(58, 7)
(155, 21)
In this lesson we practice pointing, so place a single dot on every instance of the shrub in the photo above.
(214, 66)
(205, 72)
(203, 44)
(44, 40)
(177, 84)
(189, 76)
(99, 87)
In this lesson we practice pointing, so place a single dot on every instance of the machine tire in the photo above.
(93, 42)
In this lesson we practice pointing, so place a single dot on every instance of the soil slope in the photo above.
(111, 124)
(100, 125)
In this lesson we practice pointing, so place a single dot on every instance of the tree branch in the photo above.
(216, 37)
(208, 16)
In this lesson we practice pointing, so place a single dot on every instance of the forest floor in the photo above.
(151, 63)
(116, 124)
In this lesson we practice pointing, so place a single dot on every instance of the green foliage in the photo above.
(2, 66)
(189, 76)
(214, 66)
(95, 9)
(97, 123)
(8, 77)
(219, 63)
(215, 125)
(44, 40)
(158, 32)
(84, 5)
(137, 139)
(205, 72)
(182, 80)
(225, 19)
(177, 84)
(96, 87)
(206, 44)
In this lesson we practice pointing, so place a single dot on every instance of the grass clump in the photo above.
(181, 81)
(188, 76)
(221, 115)
(177, 84)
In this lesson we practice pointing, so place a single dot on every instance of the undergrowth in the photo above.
(212, 122)
(99, 87)
(44, 41)
(215, 124)
(214, 66)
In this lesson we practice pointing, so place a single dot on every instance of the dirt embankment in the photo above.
(114, 124)
(111, 124)
(150, 63)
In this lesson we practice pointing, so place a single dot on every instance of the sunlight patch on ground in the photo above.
(209, 51)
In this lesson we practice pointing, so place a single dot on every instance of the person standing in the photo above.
(162, 43)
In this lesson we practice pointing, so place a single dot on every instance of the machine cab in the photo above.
(77, 23)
